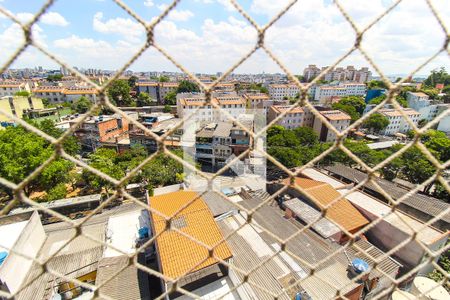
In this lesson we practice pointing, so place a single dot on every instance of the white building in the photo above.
(337, 118)
(428, 110)
(290, 120)
(74, 93)
(397, 122)
(188, 103)
(26, 238)
(54, 94)
(325, 93)
(340, 74)
(283, 91)
(10, 88)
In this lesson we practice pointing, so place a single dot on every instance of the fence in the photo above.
(393, 89)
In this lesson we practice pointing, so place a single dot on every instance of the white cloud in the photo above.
(149, 3)
(126, 27)
(312, 32)
(54, 18)
(177, 15)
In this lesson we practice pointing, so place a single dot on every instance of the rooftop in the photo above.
(335, 115)
(426, 204)
(281, 108)
(178, 254)
(341, 212)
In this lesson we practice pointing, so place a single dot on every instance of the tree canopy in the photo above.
(132, 81)
(21, 152)
(185, 86)
(376, 84)
(54, 77)
(437, 76)
(400, 99)
(82, 105)
(143, 99)
(376, 122)
(119, 93)
(352, 105)
(22, 94)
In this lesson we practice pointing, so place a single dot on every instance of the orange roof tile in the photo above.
(342, 212)
(281, 108)
(178, 254)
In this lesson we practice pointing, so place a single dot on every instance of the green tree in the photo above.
(22, 152)
(185, 86)
(55, 77)
(417, 168)
(355, 101)
(70, 144)
(143, 99)
(82, 105)
(167, 108)
(350, 110)
(306, 136)
(22, 94)
(103, 159)
(132, 81)
(437, 76)
(163, 79)
(119, 93)
(171, 98)
(376, 122)
(376, 84)
(400, 99)
(57, 192)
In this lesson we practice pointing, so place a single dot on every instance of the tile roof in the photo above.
(335, 115)
(281, 108)
(342, 212)
(178, 254)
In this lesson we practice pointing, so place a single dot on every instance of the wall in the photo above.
(16, 268)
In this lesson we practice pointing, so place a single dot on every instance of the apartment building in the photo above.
(216, 142)
(160, 127)
(10, 88)
(72, 94)
(188, 103)
(350, 73)
(100, 131)
(282, 91)
(156, 90)
(325, 93)
(290, 120)
(258, 101)
(396, 121)
(337, 118)
(16, 105)
(54, 94)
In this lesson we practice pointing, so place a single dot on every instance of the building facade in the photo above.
(290, 120)
(337, 118)
(325, 93)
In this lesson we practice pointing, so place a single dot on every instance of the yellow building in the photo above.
(14, 105)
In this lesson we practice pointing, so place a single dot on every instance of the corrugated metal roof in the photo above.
(130, 284)
(178, 254)
(309, 215)
(425, 204)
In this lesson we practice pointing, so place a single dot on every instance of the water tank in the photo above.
(143, 232)
(359, 265)
(423, 285)
(402, 295)
(3, 256)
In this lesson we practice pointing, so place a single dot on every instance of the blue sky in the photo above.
(209, 36)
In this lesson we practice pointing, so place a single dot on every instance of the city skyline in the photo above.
(100, 34)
